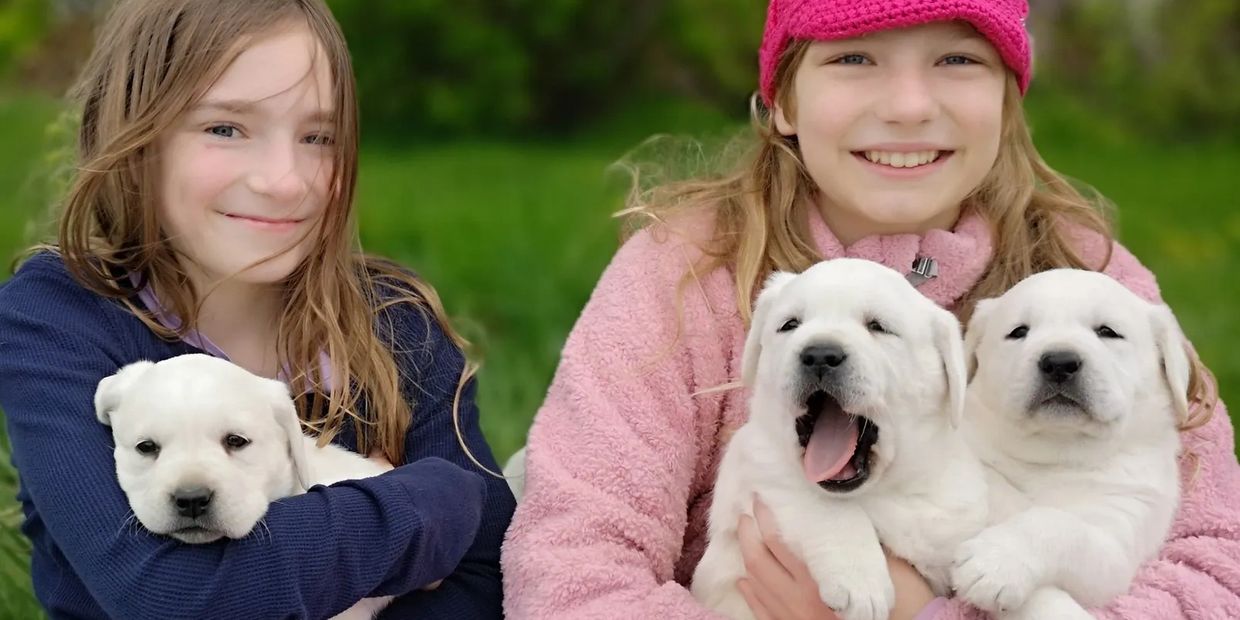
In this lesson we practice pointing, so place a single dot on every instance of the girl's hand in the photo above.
(779, 586)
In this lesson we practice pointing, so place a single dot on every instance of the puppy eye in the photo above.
(1106, 332)
(235, 442)
(1019, 333)
(147, 448)
(876, 327)
(790, 325)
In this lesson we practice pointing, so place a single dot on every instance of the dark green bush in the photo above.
(511, 65)
(1170, 68)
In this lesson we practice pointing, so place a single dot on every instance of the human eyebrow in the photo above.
(233, 106)
(322, 117)
(967, 35)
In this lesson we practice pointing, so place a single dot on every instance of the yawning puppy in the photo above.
(203, 446)
(1073, 407)
(857, 381)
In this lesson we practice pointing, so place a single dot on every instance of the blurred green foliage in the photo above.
(1168, 67)
(23, 24)
(487, 66)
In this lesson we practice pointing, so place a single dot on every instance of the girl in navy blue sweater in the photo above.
(212, 211)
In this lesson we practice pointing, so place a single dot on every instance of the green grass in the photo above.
(512, 239)
(514, 236)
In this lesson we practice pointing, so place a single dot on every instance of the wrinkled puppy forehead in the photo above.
(1074, 286)
(1070, 297)
(188, 390)
(849, 287)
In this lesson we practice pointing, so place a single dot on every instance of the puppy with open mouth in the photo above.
(857, 384)
(204, 446)
(1078, 387)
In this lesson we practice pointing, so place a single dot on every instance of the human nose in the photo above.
(908, 97)
(277, 173)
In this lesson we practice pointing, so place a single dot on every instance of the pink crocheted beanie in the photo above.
(1000, 21)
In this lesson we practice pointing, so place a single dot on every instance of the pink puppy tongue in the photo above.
(831, 445)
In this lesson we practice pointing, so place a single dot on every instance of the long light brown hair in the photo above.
(153, 60)
(759, 209)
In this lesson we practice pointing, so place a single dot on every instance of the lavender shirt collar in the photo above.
(195, 339)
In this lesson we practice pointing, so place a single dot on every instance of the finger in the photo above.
(431, 586)
(770, 601)
(759, 562)
(768, 581)
(769, 531)
(802, 592)
(760, 612)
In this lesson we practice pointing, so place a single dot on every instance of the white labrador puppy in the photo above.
(203, 446)
(1073, 406)
(857, 383)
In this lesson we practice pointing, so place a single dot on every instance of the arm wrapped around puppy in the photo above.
(315, 555)
(474, 589)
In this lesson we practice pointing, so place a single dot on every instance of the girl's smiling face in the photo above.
(245, 173)
(896, 128)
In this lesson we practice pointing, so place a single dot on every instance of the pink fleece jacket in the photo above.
(622, 455)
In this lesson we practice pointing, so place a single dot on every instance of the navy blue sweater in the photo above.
(437, 517)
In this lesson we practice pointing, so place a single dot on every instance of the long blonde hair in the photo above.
(152, 61)
(760, 219)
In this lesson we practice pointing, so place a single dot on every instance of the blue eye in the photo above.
(223, 131)
(957, 59)
(850, 59)
(320, 140)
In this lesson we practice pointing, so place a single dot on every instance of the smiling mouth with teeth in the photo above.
(838, 445)
(913, 159)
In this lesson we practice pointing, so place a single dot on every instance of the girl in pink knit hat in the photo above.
(889, 130)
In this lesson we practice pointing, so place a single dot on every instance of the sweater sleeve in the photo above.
(1196, 575)
(612, 452)
(319, 553)
(474, 589)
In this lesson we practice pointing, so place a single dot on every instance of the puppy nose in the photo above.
(822, 358)
(192, 503)
(1059, 366)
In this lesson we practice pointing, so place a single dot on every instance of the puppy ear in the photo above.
(950, 345)
(285, 413)
(974, 333)
(753, 342)
(112, 389)
(1175, 362)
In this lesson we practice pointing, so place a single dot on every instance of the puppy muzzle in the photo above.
(837, 444)
(1060, 390)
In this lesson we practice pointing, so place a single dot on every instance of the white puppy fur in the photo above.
(514, 473)
(1073, 406)
(898, 363)
(203, 446)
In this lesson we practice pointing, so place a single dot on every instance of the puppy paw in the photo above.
(994, 571)
(857, 592)
(1048, 602)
